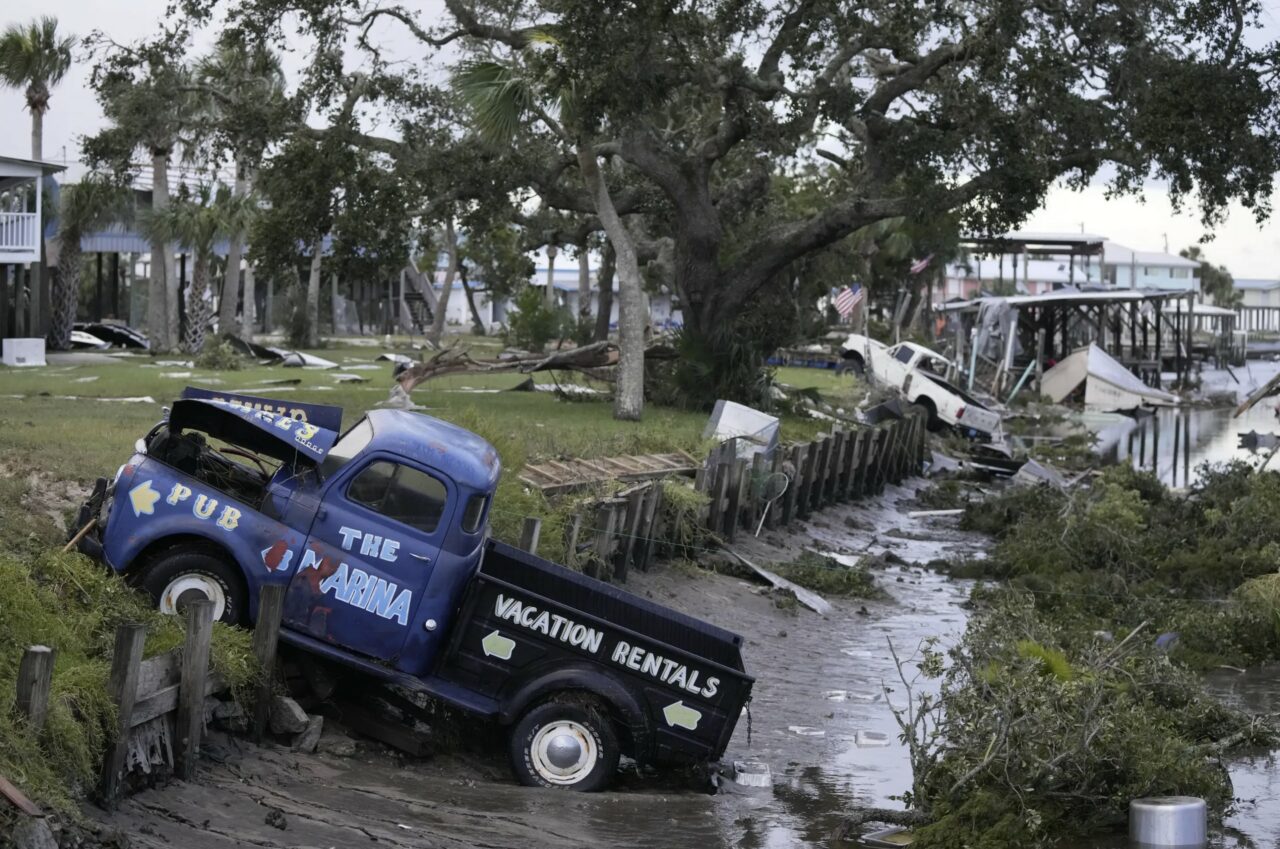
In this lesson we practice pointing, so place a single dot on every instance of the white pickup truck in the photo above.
(920, 375)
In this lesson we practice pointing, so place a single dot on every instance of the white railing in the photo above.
(19, 232)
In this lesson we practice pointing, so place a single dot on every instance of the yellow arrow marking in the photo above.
(496, 645)
(143, 498)
(678, 714)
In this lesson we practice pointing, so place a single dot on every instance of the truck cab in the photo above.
(379, 536)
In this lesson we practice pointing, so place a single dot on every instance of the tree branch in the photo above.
(909, 80)
(403, 16)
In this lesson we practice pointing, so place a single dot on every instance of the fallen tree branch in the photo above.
(851, 828)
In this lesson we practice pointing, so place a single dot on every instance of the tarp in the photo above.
(274, 434)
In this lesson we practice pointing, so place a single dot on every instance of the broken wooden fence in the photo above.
(625, 530)
(162, 703)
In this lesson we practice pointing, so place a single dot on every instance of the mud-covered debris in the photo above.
(287, 716)
(231, 716)
(275, 819)
(33, 833)
(307, 741)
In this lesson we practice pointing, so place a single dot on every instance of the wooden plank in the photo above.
(792, 496)
(833, 468)
(165, 700)
(857, 461)
(159, 673)
(652, 514)
(266, 636)
(774, 514)
(571, 540)
(189, 723)
(35, 676)
(18, 799)
(529, 534)
(606, 516)
(804, 498)
(715, 520)
(732, 515)
(755, 490)
(631, 533)
(122, 689)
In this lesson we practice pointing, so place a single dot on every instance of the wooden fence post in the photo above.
(755, 493)
(606, 516)
(122, 689)
(775, 509)
(195, 673)
(719, 489)
(806, 479)
(35, 676)
(849, 483)
(529, 534)
(571, 541)
(793, 489)
(835, 467)
(266, 635)
(650, 522)
(731, 514)
(630, 531)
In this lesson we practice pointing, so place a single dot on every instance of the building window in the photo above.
(1180, 273)
(1148, 271)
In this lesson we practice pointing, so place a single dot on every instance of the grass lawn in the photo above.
(64, 424)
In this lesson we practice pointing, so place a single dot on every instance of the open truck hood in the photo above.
(234, 419)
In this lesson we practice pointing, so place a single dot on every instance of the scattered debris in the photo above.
(808, 598)
(309, 739)
(252, 349)
(349, 378)
(114, 333)
(298, 359)
(81, 341)
(1108, 385)
(275, 819)
(756, 432)
(394, 358)
(555, 477)
(1256, 442)
(33, 833)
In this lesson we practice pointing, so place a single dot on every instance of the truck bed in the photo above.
(526, 620)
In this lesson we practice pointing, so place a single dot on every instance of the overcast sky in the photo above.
(1246, 249)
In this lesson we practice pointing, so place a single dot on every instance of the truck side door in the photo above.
(369, 555)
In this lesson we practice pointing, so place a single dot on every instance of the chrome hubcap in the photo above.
(564, 752)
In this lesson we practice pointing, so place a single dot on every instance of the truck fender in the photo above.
(626, 706)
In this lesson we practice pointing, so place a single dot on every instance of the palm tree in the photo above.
(501, 99)
(35, 56)
(198, 222)
(244, 90)
(92, 203)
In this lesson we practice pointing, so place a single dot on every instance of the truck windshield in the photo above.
(348, 446)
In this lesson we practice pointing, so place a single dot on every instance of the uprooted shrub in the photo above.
(72, 605)
(1034, 737)
(1126, 550)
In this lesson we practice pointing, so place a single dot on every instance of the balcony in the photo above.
(19, 237)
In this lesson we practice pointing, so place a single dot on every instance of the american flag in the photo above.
(848, 298)
(921, 264)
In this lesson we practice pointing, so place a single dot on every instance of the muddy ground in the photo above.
(820, 718)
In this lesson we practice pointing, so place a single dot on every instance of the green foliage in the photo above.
(297, 322)
(1215, 280)
(74, 606)
(825, 576)
(1125, 551)
(219, 356)
(683, 512)
(35, 57)
(1036, 736)
(534, 324)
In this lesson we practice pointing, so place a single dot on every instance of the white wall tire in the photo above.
(565, 745)
(181, 575)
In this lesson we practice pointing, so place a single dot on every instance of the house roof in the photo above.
(1255, 283)
(1115, 253)
(25, 164)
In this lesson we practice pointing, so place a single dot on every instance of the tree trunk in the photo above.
(335, 306)
(549, 294)
(66, 292)
(313, 295)
(604, 296)
(37, 134)
(584, 286)
(442, 305)
(247, 317)
(158, 284)
(628, 398)
(198, 308)
(477, 326)
(231, 282)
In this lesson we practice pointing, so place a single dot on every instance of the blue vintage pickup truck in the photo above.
(380, 537)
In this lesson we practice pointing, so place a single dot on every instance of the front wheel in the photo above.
(569, 745)
(183, 575)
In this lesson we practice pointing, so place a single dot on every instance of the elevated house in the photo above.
(24, 291)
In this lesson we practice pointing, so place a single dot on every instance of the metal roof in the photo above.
(1256, 283)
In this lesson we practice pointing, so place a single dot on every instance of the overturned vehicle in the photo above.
(380, 538)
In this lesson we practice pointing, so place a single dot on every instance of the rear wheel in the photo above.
(934, 423)
(183, 575)
(853, 362)
(568, 745)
